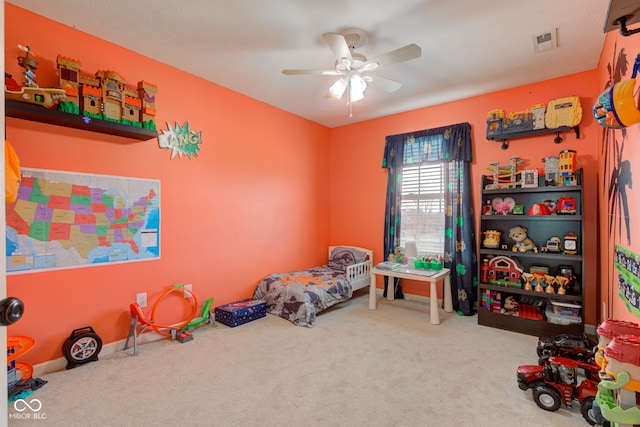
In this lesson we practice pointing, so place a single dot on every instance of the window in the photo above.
(423, 207)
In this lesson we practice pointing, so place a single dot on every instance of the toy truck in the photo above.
(556, 383)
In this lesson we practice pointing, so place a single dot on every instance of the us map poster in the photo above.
(64, 220)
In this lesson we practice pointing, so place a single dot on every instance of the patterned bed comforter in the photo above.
(300, 295)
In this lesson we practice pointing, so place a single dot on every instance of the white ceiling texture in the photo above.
(468, 47)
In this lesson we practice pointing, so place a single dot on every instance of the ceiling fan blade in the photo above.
(383, 83)
(402, 54)
(338, 45)
(323, 72)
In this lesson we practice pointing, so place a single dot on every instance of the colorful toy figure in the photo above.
(619, 386)
(616, 108)
(30, 92)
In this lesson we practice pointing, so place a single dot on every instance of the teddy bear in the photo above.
(510, 306)
(523, 242)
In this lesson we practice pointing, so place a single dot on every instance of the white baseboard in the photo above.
(114, 347)
(110, 349)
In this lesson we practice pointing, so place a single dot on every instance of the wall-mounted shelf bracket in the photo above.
(624, 31)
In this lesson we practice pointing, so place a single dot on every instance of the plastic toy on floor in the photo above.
(20, 388)
(620, 382)
(138, 321)
(205, 316)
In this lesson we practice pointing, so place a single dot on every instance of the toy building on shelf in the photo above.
(106, 96)
(103, 96)
(559, 113)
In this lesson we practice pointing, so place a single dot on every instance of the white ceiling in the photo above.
(469, 47)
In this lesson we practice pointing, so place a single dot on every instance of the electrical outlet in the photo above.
(188, 288)
(141, 299)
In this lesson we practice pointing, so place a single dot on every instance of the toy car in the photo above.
(552, 245)
(566, 206)
(574, 347)
(556, 383)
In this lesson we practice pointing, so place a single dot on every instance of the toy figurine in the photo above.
(523, 242)
(30, 92)
(550, 170)
(510, 306)
(491, 239)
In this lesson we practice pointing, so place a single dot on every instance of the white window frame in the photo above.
(422, 217)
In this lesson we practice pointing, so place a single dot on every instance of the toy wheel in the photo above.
(543, 359)
(547, 351)
(82, 348)
(587, 411)
(547, 398)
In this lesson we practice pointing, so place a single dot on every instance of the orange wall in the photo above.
(628, 150)
(268, 192)
(254, 201)
(358, 182)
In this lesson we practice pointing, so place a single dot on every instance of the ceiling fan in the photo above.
(355, 68)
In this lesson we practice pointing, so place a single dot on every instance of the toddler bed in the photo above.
(298, 296)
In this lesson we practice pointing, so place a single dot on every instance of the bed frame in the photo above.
(358, 275)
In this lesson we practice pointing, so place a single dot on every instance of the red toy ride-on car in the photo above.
(556, 383)
(574, 347)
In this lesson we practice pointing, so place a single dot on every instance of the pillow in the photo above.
(341, 257)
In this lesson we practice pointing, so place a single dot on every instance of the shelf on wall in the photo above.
(37, 113)
(504, 137)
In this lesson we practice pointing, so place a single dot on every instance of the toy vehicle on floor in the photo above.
(556, 383)
(575, 347)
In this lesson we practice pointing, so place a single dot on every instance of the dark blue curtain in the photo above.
(450, 145)
(393, 160)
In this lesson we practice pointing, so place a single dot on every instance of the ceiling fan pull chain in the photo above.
(349, 103)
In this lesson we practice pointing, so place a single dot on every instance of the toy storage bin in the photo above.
(241, 312)
(565, 309)
(559, 319)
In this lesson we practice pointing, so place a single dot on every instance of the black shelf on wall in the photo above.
(37, 113)
(506, 137)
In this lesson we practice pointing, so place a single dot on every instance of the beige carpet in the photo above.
(356, 367)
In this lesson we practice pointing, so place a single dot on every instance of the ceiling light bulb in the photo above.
(357, 86)
(370, 66)
(337, 89)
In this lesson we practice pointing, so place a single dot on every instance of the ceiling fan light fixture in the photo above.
(369, 66)
(357, 86)
(338, 88)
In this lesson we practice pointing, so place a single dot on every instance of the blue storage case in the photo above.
(241, 312)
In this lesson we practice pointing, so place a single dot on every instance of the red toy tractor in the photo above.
(556, 383)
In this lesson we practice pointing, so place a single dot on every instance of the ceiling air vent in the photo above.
(545, 41)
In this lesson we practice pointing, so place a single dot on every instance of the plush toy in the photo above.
(510, 306)
(523, 242)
